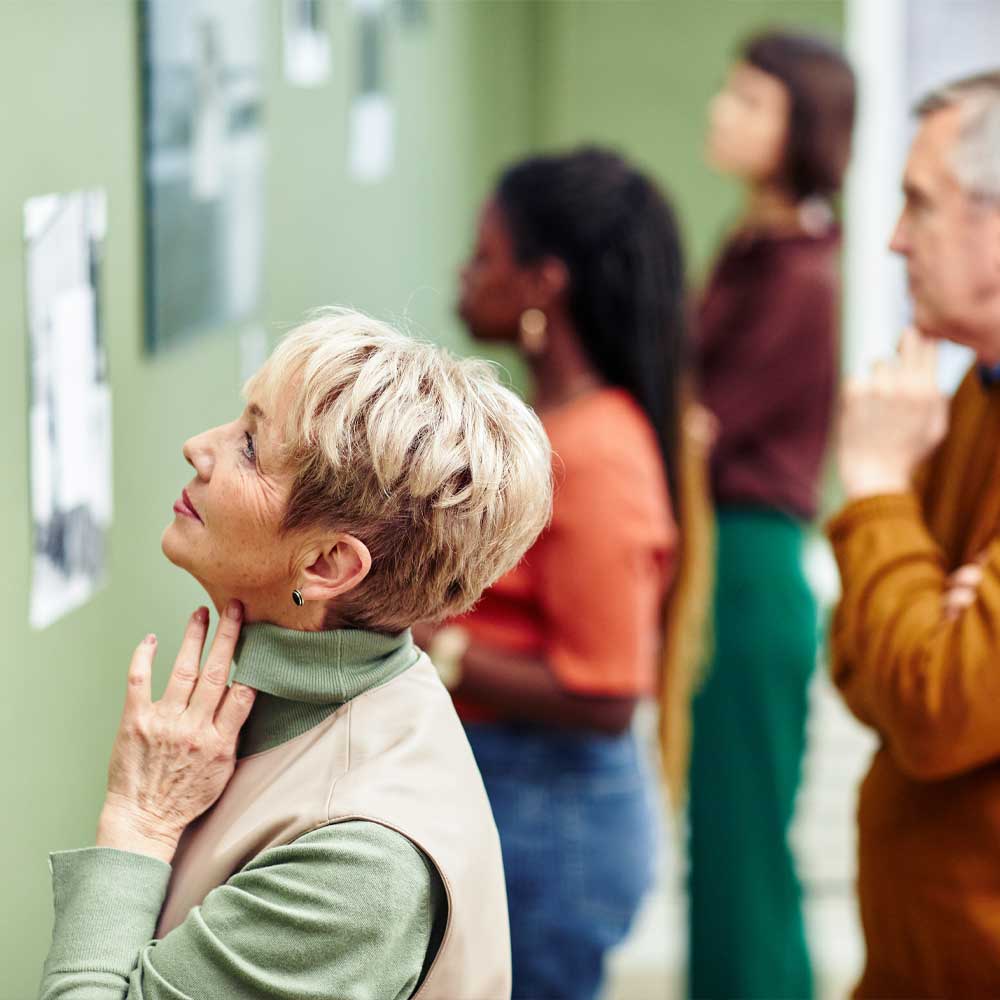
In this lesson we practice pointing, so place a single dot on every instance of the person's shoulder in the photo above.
(607, 429)
(609, 459)
(811, 263)
(350, 842)
(383, 868)
(375, 855)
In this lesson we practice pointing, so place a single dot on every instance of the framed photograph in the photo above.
(372, 123)
(307, 44)
(203, 164)
(69, 400)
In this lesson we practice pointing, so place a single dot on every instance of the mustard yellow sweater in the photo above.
(929, 812)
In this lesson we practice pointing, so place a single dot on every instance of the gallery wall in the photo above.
(478, 82)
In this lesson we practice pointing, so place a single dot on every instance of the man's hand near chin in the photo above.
(892, 421)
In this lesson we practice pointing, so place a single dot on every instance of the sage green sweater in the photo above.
(352, 911)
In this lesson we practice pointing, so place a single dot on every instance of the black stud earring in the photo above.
(297, 598)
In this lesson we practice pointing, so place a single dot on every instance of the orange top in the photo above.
(929, 812)
(588, 596)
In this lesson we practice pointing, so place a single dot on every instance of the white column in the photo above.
(874, 285)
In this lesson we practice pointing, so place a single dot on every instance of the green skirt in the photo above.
(746, 930)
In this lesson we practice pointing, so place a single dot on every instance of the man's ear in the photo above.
(338, 567)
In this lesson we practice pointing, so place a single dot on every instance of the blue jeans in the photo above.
(578, 837)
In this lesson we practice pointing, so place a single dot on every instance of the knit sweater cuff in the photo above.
(106, 905)
(886, 506)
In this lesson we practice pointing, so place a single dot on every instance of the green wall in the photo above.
(481, 82)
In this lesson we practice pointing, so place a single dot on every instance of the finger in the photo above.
(962, 596)
(970, 576)
(918, 354)
(914, 348)
(233, 711)
(140, 670)
(928, 355)
(957, 600)
(184, 676)
(212, 680)
(909, 346)
(882, 376)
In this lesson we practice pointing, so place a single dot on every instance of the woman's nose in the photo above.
(199, 455)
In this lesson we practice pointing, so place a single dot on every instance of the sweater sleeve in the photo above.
(347, 911)
(601, 591)
(928, 685)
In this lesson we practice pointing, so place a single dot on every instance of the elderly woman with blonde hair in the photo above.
(318, 828)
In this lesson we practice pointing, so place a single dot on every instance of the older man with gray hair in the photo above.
(916, 639)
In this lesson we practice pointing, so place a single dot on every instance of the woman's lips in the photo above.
(186, 508)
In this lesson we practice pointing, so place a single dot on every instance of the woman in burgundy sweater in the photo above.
(768, 362)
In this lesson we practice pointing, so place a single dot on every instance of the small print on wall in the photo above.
(372, 122)
(69, 401)
(307, 44)
(203, 164)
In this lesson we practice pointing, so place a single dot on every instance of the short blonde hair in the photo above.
(444, 473)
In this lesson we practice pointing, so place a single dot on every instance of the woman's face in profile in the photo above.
(748, 125)
(492, 285)
(226, 526)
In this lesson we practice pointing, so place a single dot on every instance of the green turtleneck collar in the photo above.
(301, 677)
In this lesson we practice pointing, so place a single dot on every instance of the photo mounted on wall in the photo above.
(203, 164)
(372, 124)
(307, 43)
(69, 401)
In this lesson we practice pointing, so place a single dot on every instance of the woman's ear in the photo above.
(544, 283)
(553, 281)
(338, 567)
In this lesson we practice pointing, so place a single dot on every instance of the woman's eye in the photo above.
(248, 449)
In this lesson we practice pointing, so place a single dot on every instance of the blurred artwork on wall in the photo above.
(371, 125)
(307, 43)
(413, 13)
(203, 164)
(69, 401)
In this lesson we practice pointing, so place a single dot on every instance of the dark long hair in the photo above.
(617, 236)
(821, 88)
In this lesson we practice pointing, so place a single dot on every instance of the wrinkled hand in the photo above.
(172, 758)
(892, 421)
